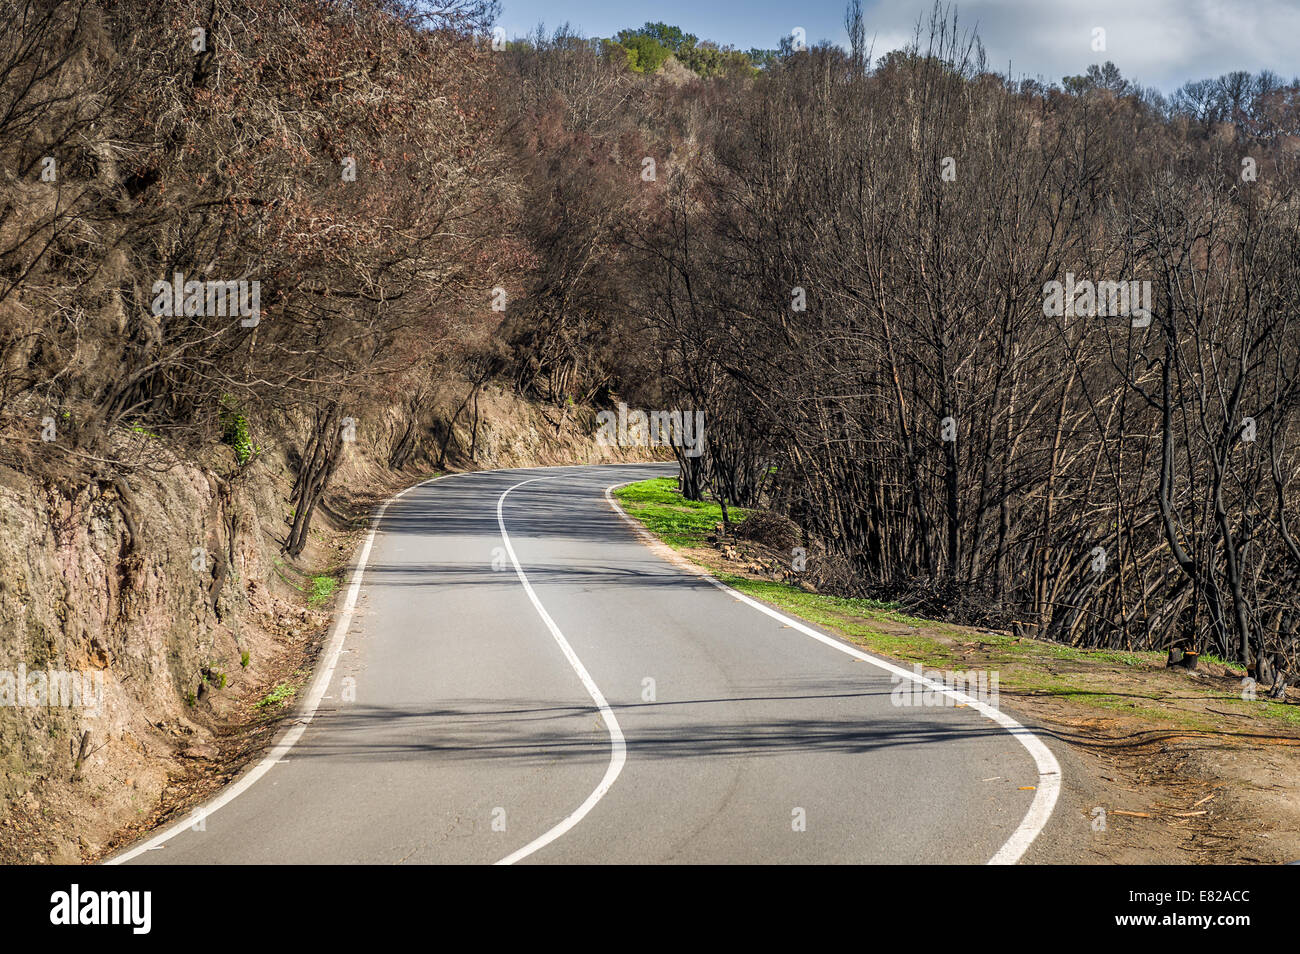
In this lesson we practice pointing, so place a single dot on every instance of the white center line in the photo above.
(617, 746)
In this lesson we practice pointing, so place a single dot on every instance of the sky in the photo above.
(1160, 43)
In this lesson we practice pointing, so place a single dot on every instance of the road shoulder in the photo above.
(1161, 766)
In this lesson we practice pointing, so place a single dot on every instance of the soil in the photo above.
(188, 674)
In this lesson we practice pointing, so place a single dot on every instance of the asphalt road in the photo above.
(455, 728)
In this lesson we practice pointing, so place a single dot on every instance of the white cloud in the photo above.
(1156, 42)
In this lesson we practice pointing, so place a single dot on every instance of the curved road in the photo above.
(455, 727)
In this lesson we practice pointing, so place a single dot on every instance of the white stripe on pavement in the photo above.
(1049, 770)
(617, 746)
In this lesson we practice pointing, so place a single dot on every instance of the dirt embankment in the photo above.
(165, 592)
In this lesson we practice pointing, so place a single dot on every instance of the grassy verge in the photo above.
(670, 516)
(1105, 683)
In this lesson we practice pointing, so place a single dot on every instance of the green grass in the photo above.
(1276, 710)
(671, 517)
(1033, 664)
(277, 696)
(317, 587)
(1011, 649)
(853, 618)
(322, 588)
(1232, 664)
(793, 596)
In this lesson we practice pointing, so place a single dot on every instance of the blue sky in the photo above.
(1156, 42)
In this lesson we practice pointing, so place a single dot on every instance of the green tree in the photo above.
(672, 37)
(645, 53)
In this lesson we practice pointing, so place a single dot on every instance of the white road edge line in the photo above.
(617, 745)
(1049, 770)
(320, 682)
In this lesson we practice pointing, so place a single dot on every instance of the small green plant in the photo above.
(235, 432)
(322, 588)
(243, 659)
(190, 699)
(277, 696)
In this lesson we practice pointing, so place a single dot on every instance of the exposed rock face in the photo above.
(134, 587)
(164, 583)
